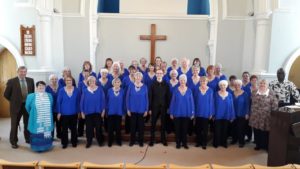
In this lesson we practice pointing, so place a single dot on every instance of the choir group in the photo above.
(186, 99)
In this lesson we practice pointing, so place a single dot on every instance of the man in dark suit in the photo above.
(159, 99)
(16, 92)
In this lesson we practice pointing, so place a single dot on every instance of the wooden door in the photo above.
(8, 69)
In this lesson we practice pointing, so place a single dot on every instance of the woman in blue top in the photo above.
(92, 106)
(241, 107)
(137, 107)
(115, 104)
(213, 80)
(197, 62)
(149, 76)
(218, 73)
(68, 100)
(224, 114)
(193, 82)
(174, 66)
(123, 71)
(82, 86)
(182, 110)
(86, 66)
(184, 68)
(173, 85)
(65, 73)
(40, 123)
(104, 82)
(52, 88)
(204, 109)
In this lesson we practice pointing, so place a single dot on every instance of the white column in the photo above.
(93, 32)
(262, 38)
(213, 31)
(45, 9)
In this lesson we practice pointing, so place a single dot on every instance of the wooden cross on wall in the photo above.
(153, 38)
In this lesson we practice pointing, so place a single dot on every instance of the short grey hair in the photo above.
(138, 74)
(90, 78)
(22, 68)
(52, 76)
(103, 71)
(183, 77)
(223, 82)
(173, 71)
(174, 59)
(116, 80)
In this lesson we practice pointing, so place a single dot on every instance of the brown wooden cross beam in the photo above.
(153, 38)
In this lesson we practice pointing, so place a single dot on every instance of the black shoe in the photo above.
(119, 143)
(233, 142)
(204, 147)
(88, 145)
(109, 144)
(27, 141)
(64, 146)
(141, 144)
(14, 146)
(165, 143)
(100, 144)
(178, 146)
(74, 145)
(185, 146)
(131, 144)
(241, 145)
(198, 145)
(225, 146)
(151, 143)
(256, 148)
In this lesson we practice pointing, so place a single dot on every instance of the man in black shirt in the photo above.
(159, 99)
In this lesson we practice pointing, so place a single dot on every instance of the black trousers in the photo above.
(249, 131)
(239, 130)
(114, 126)
(181, 128)
(261, 138)
(69, 122)
(169, 124)
(15, 120)
(201, 130)
(80, 127)
(93, 124)
(57, 126)
(220, 135)
(127, 123)
(156, 112)
(137, 124)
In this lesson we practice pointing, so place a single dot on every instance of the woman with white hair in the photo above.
(184, 68)
(65, 73)
(52, 88)
(92, 106)
(137, 107)
(224, 114)
(218, 72)
(174, 66)
(194, 81)
(115, 104)
(263, 102)
(104, 81)
(116, 68)
(143, 65)
(241, 106)
(182, 110)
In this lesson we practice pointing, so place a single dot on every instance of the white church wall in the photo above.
(76, 40)
(236, 37)
(285, 34)
(14, 14)
(119, 38)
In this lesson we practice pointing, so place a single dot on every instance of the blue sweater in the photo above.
(204, 103)
(241, 104)
(202, 72)
(81, 78)
(68, 105)
(54, 97)
(188, 74)
(247, 89)
(182, 105)
(148, 80)
(224, 109)
(106, 86)
(81, 87)
(115, 103)
(214, 84)
(137, 101)
(91, 103)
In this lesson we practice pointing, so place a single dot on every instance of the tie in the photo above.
(24, 89)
